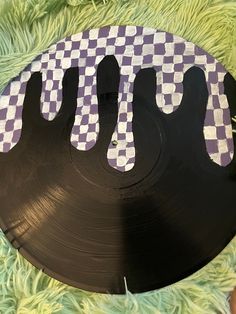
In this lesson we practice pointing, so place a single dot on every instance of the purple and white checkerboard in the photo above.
(134, 48)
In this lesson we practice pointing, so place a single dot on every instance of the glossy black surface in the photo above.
(89, 225)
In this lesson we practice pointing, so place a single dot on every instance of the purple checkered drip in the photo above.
(134, 48)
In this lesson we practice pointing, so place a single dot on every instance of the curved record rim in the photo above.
(63, 280)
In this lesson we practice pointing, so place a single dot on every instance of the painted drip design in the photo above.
(135, 48)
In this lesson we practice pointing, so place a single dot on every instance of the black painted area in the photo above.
(89, 225)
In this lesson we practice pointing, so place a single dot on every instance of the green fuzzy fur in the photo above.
(27, 28)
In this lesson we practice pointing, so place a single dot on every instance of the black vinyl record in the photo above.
(94, 227)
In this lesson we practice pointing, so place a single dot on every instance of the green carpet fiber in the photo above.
(28, 27)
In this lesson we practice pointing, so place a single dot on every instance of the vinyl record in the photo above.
(118, 178)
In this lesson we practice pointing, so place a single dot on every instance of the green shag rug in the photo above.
(28, 27)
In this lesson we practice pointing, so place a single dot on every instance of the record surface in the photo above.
(117, 164)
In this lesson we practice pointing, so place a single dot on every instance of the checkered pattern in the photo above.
(134, 48)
